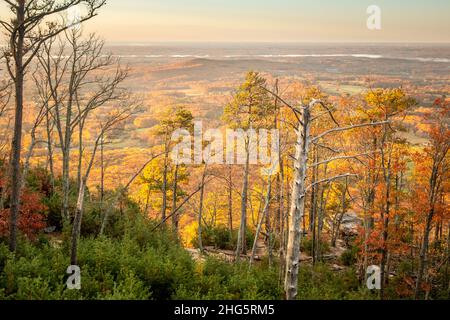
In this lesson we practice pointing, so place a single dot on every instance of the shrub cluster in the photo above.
(220, 237)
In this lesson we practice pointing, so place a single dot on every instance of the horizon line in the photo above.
(270, 42)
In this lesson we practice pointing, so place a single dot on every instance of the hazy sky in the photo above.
(271, 20)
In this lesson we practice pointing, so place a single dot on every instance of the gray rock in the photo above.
(350, 223)
(50, 229)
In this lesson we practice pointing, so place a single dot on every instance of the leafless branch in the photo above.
(356, 126)
(340, 158)
(328, 180)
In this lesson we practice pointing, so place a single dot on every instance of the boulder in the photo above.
(350, 224)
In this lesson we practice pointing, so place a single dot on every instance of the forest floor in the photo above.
(331, 257)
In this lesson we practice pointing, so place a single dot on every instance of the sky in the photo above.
(145, 21)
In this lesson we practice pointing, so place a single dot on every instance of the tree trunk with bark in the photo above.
(16, 147)
(263, 217)
(48, 127)
(241, 241)
(164, 182)
(200, 211)
(76, 228)
(174, 199)
(230, 201)
(432, 198)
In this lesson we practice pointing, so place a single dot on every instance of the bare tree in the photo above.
(33, 22)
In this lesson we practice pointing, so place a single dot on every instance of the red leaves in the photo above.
(2, 177)
(405, 288)
(31, 218)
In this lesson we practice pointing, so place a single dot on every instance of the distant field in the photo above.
(335, 89)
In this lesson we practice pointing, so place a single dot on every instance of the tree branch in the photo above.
(373, 124)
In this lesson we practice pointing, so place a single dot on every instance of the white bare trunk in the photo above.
(297, 209)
